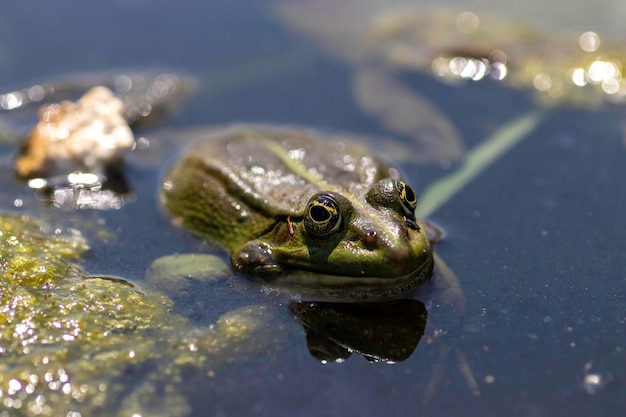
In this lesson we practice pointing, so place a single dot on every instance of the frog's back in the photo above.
(258, 175)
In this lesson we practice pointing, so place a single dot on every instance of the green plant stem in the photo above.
(476, 161)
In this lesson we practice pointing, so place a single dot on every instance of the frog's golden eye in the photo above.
(408, 198)
(322, 216)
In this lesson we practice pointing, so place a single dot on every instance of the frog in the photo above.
(255, 191)
(303, 210)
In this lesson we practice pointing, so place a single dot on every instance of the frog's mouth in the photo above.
(315, 286)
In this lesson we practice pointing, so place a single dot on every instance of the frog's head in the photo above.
(368, 239)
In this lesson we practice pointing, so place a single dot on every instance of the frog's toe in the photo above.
(255, 257)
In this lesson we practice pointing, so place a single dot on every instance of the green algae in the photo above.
(69, 341)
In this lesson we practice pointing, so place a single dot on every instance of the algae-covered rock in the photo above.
(69, 341)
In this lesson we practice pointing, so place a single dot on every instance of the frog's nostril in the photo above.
(370, 239)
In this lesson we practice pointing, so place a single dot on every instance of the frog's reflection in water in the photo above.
(380, 332)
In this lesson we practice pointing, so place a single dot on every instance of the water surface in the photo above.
(536, 240)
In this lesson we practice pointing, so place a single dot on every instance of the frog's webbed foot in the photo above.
(435, 233)
(447, 286)
(255, 257)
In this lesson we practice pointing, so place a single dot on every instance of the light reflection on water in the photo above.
(469, 48)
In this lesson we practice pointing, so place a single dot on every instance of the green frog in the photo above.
(302, 210)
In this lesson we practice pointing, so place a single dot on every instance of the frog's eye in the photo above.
(322, 216)
(408, 198)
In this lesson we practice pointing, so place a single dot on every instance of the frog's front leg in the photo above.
(255, 256)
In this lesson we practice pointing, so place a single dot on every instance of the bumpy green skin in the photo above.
(67, 340)
(246, 188)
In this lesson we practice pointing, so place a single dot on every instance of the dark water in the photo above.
(537, 240)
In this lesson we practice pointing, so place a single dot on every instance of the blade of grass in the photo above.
(476, 161)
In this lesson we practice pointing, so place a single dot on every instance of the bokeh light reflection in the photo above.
(589, 41)
(11, 101)
(467, 22)
(581, 69)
